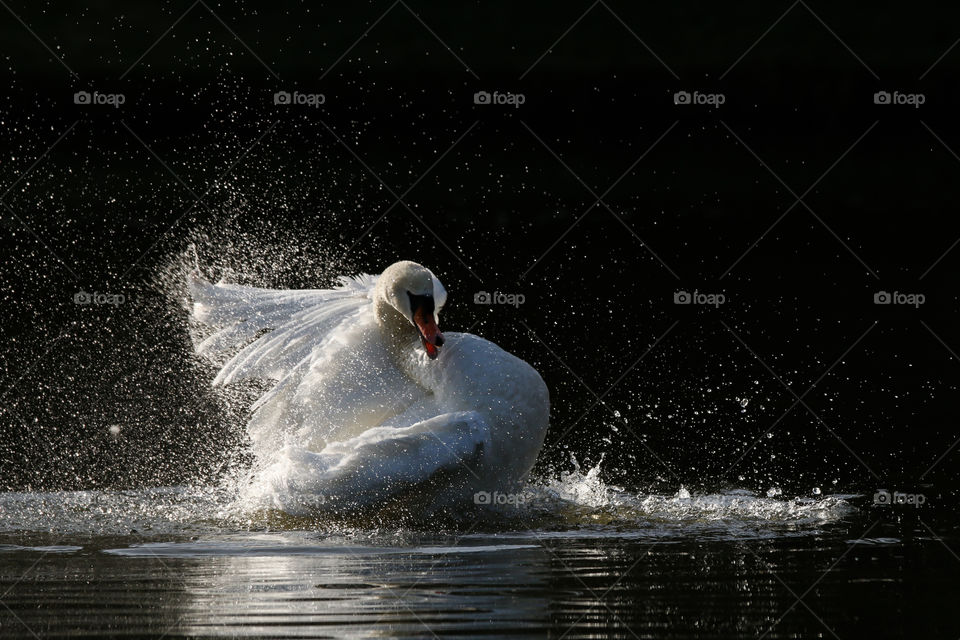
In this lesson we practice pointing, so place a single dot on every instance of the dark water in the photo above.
(593, 563)
(571, 584)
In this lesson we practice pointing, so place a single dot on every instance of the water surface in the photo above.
(581, 560)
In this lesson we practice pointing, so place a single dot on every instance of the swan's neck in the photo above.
(399, 335)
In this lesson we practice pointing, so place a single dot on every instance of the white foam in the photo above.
(585, 495)
(574, 501)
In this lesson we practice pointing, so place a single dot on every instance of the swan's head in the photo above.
(416, 294)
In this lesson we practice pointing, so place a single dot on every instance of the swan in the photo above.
(368, 402)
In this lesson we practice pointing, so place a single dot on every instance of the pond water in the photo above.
(579, 560)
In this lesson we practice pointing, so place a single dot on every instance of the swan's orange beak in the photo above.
(430, 334)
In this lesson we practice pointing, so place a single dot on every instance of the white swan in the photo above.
(372, 404)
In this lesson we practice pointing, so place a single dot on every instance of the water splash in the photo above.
(575, 501)
(570, 498)
(580, 498)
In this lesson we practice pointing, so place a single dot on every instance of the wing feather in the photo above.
(299, 323)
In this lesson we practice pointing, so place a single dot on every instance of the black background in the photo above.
(700, 198)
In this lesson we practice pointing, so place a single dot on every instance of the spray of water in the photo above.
(561, 497)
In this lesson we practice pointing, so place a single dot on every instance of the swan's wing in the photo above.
(383, 463)
(346, 385)
(334, 377)
(298, 320)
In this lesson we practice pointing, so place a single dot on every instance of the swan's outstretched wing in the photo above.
(334, 377)
(299, 321)
(382, 464)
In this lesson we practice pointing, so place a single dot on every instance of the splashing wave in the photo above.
(574, 501)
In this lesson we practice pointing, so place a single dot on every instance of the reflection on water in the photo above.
(292, 584)
(394, 592)
(581, 562)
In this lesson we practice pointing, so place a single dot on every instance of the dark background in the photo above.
(286, 196)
